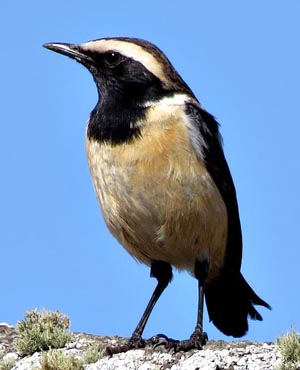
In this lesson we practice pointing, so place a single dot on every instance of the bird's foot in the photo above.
(134, 342)
(196, 341)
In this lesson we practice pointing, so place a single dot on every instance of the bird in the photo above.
(160, 174)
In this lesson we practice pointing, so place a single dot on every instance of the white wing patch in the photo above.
(196, 138)
(176, 99)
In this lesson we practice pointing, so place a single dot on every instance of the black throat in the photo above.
(125, 91)
(115, 123)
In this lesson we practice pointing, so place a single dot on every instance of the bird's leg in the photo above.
(162, 271)
(199, 338)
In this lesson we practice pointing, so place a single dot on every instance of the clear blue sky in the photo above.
(242, 60)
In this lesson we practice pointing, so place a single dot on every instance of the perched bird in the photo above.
(163, 183)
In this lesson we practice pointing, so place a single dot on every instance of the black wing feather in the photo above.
(229, 298)
(218, 169)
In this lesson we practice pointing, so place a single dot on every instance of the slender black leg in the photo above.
(201, 269)
(198, 339)
(162, 271)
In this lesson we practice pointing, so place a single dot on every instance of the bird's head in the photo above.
(126, 69)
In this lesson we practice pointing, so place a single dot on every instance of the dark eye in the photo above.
(112, 58)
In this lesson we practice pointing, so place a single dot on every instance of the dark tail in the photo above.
(229, 301)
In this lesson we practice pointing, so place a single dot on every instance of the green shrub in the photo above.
(289, 346)
(41, 331)
(93, 353)
(55, 359)
(6, 364)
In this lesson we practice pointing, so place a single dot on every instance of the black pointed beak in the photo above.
(70, 50)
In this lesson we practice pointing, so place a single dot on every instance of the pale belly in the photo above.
(160, 203)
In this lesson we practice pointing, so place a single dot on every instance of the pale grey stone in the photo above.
(11, 356)
(216, 355)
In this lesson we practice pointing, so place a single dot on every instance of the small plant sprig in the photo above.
(93, 353)
(289, 346)
(6, 364)
(56, 359)
(41, 331)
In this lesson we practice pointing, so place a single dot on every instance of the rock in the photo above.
(28, 362)
(216, 355)
(11, 356)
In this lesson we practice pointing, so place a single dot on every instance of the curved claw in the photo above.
(196, 341)
(162, 340)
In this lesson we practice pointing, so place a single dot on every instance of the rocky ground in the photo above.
(216, 355)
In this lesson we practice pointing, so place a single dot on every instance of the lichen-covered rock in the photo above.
(250, 356)
(216, 355)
